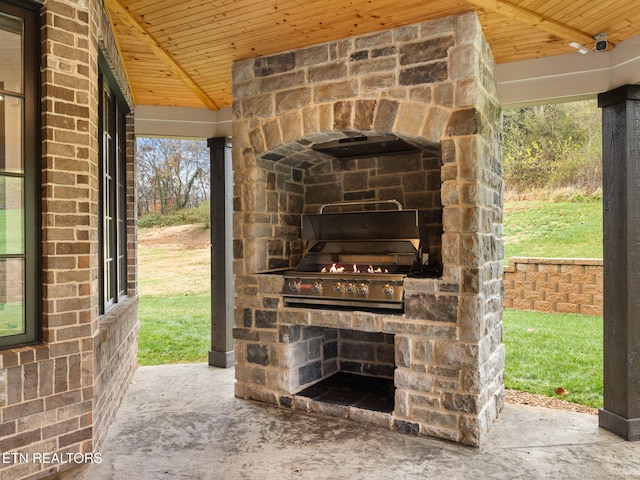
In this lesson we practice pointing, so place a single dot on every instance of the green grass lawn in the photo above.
(546, 351)
(174, 329)
(11, 231)
(175, 305)
(11, 319)
(553, 229)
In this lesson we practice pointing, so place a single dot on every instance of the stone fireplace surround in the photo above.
(433, 85)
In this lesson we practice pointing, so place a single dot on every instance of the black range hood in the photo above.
(364, 146)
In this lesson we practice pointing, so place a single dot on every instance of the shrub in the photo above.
(197, 216)
(552, 147)
(151, 220)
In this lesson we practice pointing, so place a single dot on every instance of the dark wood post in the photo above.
(222, 292)
(621, 204)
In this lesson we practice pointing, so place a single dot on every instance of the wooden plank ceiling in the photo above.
(179, 53)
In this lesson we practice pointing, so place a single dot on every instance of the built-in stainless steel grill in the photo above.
(356, 258)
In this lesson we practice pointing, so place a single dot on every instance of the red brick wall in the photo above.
(561, 285)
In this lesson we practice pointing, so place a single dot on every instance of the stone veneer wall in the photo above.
(432, 84)
(330, 350)
(559, 285)
(59, 396)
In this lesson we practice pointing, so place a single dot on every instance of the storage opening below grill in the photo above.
(352, 368)
(353, 390)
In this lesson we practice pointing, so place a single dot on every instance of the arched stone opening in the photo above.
(299, 180)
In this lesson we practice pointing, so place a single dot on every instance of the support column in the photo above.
(621, 204)
(222, 289)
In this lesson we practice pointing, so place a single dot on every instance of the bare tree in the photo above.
(172, 174)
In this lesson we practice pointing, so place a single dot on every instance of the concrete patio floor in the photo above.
(183, 422)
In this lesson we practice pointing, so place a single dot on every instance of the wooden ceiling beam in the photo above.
(141, 33)
(537, 20)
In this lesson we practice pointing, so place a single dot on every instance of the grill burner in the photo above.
(355, 269)
(356, 258)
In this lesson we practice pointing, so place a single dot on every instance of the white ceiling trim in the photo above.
(182, 122)
(568, 77)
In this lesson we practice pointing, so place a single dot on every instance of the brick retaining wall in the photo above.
(560, 285)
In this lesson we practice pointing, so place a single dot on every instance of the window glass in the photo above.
(11, 54)
(11, 134)
(11, 216)
(19, 190)
(113, 234)
(12, 305)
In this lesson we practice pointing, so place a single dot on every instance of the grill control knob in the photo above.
(316, 287)
(363, 289)
(388, 290)
(349, 287)
(338, 287)
(294, 285)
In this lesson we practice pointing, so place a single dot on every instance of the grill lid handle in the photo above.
(396, 203)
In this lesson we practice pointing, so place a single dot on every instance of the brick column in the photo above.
(621, 192)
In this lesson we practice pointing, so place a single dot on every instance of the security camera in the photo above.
(601, 45)
(601, 42)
